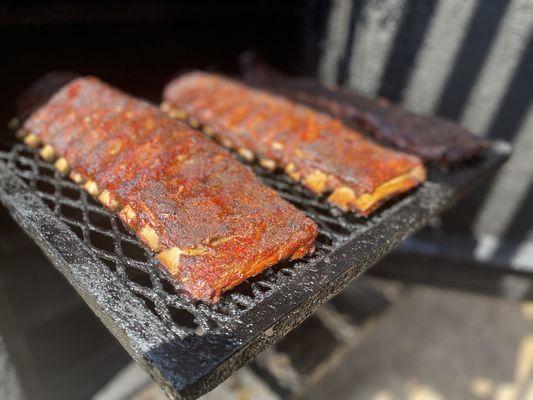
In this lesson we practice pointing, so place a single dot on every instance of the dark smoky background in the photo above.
(139, 46)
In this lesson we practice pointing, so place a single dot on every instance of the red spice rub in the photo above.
(313, 148)
(208, 218)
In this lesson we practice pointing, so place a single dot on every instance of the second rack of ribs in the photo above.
(313, 148)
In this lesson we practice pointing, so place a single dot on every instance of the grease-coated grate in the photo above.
(189, 347)
(133, 264)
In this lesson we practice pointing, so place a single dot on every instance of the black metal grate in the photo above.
(133, 263)
(189, 347)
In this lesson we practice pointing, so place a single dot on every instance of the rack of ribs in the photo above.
(206, 216)
(312, 147)
(437, 141)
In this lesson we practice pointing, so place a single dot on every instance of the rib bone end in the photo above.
(316, 181)
(209, 131)
(225, 142)
(108, 200)
(76, 177)
(246, 154)
(267, 164)
(179, 114)
(342, 197)
(92, 188)
(277, 146)
(149, 237)
(290, 170)
(171, 259)
(61, 165)
(128, 215)
(48, 153)
(193, 122)
(32, 140)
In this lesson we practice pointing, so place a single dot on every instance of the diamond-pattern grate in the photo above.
(129, 260)
(189, 347)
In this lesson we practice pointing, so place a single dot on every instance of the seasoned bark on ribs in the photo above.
(208, 218)
(313, 148)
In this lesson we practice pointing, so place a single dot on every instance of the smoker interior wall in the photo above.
(469, 61)
(141, 54)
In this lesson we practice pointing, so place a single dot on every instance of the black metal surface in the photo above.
(188, 348)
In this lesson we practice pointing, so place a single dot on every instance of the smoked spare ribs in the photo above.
(209, 220)
(437, 141)
(312, 147)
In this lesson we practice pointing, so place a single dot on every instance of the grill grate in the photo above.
(187, 346)
(128, 259)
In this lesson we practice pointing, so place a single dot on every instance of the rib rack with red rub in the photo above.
(208, 218)
(313, 148)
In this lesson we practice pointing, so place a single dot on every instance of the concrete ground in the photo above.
(439, 344)
(430, 344)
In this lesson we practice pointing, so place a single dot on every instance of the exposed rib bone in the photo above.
(267, 163)
(171, 258)
(92, 188)
(108, 200)
(228, 144)
(342, 197)
(128, 215)
(345, 198)
(208, 131)
(277, 146)
(61, 165)
(32, 140)
(193, 122)
(166, 107)
(179, 114)
(316, 181)
(48, 153)
(76, 177)
(149, 237)
(246, 154)
(290, 169)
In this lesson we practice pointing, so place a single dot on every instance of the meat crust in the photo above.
(312, 147)
(209, 220)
